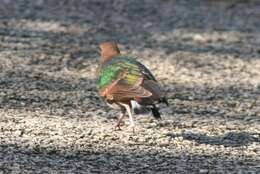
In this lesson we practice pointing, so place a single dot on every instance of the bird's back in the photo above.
(122, 77)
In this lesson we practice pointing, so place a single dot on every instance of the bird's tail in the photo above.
(139, 109)
(164, 100)
(155, 112)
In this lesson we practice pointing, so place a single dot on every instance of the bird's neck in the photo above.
(108, 56)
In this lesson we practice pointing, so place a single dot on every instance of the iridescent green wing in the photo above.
(118, 67)
(107, 74)
(143, 70)
(125, 76)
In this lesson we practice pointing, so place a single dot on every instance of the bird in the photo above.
(126, 84)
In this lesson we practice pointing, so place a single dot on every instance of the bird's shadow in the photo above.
(230, 139)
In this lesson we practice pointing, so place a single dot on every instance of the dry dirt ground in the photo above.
(205, 53)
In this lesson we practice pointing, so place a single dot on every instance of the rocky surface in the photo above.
(205, 53)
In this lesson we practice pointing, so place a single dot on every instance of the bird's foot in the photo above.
(117, 127)
(132, 127)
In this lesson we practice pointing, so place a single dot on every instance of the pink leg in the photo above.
(120, 118)
(131, 120)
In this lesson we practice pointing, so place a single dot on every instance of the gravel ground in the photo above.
(205, 52)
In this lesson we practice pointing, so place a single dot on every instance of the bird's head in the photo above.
(108, 50)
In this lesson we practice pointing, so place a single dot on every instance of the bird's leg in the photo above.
(131, 120)
(120, 118)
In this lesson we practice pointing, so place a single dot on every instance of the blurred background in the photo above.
(205, 53)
